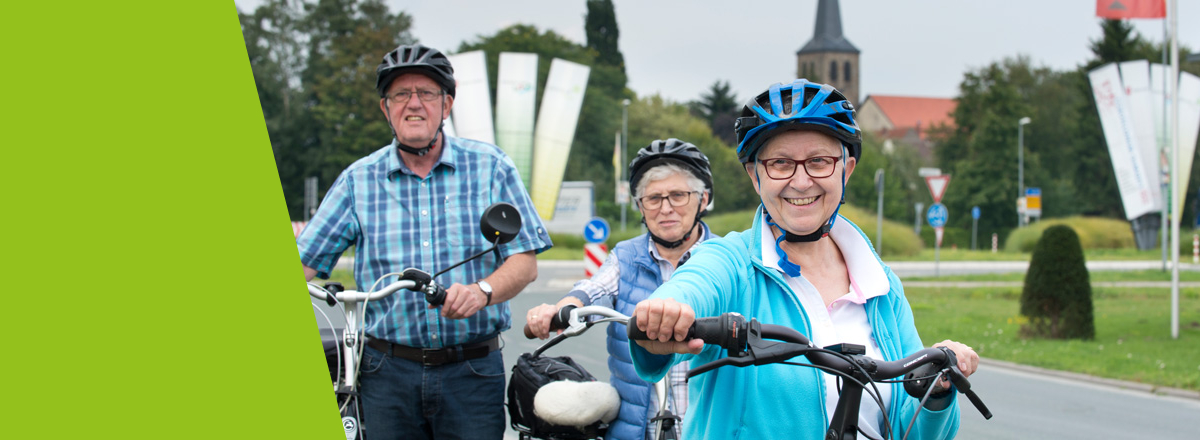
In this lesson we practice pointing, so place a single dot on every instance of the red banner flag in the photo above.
(1117, 9)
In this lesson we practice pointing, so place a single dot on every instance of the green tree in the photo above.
(902, 186)
(603, 35)
(980, 152)
(273, 34)
(347, 40)
(719, 107)
(653, 118)
(314, 65)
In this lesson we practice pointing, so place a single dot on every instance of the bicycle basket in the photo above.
(530, 374)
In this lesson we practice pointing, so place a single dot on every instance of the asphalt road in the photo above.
(1026, 405)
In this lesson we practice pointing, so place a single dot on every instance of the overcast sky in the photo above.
(918, 48)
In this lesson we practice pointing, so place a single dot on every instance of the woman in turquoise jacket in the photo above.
(800, 265)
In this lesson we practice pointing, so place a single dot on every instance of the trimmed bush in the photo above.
(1057, 297)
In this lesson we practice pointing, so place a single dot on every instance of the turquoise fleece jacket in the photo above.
(777, 401)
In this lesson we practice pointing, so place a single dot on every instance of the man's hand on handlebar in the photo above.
(968, 361)
(462, 301)
(666, 323)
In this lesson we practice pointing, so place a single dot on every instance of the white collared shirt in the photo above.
(845, 320)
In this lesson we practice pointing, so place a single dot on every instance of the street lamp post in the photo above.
(1021, 165)
(624, 146)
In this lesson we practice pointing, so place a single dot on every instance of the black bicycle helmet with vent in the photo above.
(672, 151)
(415, 58)
(822, 108)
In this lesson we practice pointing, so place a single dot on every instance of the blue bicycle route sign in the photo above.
(596, 230)
(937, 215)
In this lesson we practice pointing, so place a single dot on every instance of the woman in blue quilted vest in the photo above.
(672, 184)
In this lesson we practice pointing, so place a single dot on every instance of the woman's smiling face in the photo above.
(800, 204)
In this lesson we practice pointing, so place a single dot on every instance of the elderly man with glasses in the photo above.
(427, 372)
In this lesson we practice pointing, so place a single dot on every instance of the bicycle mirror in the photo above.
(500, 223)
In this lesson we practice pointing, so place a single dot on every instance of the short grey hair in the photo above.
(664, 171)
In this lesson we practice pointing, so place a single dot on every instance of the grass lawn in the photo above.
(1095, 277)
(1133, 340)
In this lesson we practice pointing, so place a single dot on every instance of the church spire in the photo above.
(828, 35)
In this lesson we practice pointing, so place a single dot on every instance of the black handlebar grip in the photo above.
(333, 287)
(562, 319)
(727, 331)
(559, 321)
(438, 295)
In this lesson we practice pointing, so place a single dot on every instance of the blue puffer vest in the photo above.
(640, 275)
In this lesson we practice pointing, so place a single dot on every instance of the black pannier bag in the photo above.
(531, 373)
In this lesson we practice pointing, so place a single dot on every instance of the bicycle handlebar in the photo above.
(321, 293)
(746, 345)
(573, 319)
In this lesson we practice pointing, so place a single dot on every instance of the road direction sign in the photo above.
(937, 215)
(596, 230)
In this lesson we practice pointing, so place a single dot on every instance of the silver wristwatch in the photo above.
(487, 291)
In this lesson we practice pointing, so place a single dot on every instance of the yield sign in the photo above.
(937, 186)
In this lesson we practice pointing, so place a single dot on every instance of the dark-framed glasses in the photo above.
(403, 96)
(780, 168)
(677, 198)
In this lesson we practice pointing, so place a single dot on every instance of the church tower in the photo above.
(829, 57)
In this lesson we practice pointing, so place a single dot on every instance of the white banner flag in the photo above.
(473, 98)
(555, 131)
(1135, 77)
(516, 90)
(1189, 130)
(1111, 103)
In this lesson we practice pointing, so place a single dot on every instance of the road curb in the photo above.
(1120, 384)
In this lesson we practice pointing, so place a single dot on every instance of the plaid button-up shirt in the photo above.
(397, 220)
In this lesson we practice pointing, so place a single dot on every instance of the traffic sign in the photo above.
(937, 215)
(596, 230)
(1033, 202)
(937, 186)
(975, 213)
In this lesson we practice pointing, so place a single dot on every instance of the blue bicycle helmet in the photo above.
(820, 108)
(801, 105)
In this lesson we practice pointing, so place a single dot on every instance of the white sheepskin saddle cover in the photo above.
(567, 403)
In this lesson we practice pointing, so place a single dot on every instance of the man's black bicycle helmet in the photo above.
(671, 151)
(415, 58)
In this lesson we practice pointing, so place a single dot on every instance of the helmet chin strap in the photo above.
(677, 243)
(788, 267)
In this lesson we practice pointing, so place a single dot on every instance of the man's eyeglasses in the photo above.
(677, 198)
(403, 96)
(780, 168)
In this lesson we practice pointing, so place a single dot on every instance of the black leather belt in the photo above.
(432, 357)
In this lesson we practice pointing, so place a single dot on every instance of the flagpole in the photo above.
(1173, 13)
(1163, 152)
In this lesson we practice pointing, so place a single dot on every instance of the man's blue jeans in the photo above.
(403, 399)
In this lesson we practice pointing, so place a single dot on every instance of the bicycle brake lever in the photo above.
(964, 386)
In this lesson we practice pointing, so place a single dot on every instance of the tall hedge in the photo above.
(1057, 297)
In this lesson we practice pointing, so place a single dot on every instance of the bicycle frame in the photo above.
(351, 346)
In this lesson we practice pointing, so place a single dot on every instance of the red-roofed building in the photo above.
(905, 119)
